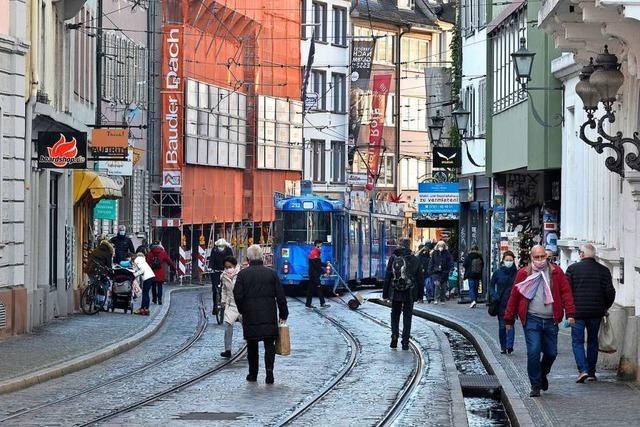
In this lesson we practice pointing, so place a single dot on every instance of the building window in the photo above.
(53, 230)
(317, 160)
(338, 161)
(414, 53)
(124, 70)
(406, 4)
(411, 172)
(340, 26)
(320, 19)
(473, 16)
(319, 82)
(385, 43)
(413, 112)
(279, 133)
(506, 91)
(482, 113)
(303, 19)
(339, 83)
(469, 103)
(387, 169)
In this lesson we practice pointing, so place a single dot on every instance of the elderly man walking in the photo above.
(260, 299)
(540, 296)
(593, 294)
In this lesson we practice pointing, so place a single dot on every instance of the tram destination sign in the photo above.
(439, 198)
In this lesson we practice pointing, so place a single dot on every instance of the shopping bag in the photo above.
(283, 343)
(606, 337)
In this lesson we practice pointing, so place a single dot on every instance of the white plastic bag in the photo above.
(606, 337)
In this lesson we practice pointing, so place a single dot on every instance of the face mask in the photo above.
(220, 248)
(440, 248)
(508, 264)
(122, 233)
(539, 265)
(229, 270)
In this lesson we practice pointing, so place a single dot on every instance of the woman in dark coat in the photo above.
(500, 288)
(260, 299)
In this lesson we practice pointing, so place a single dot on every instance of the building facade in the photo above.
(599, 205)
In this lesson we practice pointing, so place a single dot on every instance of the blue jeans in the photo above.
(429, 289)
(146, 287)
(473, 289)
(506, 337)
(586, 362)
(542, 337)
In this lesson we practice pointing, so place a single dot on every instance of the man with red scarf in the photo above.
(541, 297)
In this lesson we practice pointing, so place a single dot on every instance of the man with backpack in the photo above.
(157, 257)
(403, 286)
(473, 267)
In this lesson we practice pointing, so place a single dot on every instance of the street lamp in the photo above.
(461, 119)
(523, 60)
(585, 90)
(435, 128)
(607, 77)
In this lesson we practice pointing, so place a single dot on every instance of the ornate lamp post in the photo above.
(461, 119)
(435, 128)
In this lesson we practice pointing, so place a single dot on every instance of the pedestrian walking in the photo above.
(500, 289)
(216, 264)
(122, 245)
(158, 258)
(228, 302)
(540, 297)
(424, 256)
(144, 271)
(473, 268)
(260, 299)
(440, 267)
(593, 294)
(316, 269)
(403, 286)
(143, 248)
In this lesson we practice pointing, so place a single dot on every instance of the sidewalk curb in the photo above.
(84, 361)
(515, 406)
(459, 416)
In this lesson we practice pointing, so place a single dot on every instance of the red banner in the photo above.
(381, 83)
(172, 105)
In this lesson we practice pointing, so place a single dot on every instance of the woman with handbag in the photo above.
(500, 289)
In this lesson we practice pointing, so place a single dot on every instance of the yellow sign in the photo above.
(137, 155)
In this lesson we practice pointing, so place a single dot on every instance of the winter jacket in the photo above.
(424, 258)
(122, 246)
(231, 313)
(143, 269)
(102, 256)
(592, 288)
(316, 266)
(258, 292)
(441, 264)
(216, 259)
(501, 283)
(164, 259)
(414, 271)
(560, 290)
(468, 263)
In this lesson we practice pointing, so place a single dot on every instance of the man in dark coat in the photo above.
(316, 269)
(593, 294)
(221, 251)
(157, 258)
(122, 245)
(423, 257)
(473, 267)
(440, 267)
(403, 286)
(257, 293)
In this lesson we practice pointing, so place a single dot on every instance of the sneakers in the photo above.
(503, 351)
(405, 346)
(310, 307)
(436, 302)
(582, 378)
(473, 304)
(592, 378)
(226, 354)
(142, 312)
(252, 378)
(394, 342)
(269, 378)
(325, 306)
(510, 350)
(159, 302)
(154, 301)
(534, 392)
(545, 383)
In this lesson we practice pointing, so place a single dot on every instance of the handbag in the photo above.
(494, 307)
(283, 342)
(606, 337)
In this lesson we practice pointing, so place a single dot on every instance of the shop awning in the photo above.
(97, 186)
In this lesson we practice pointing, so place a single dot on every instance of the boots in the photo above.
(269, 379)
(394, 342)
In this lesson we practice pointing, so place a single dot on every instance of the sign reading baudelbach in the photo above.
(446, 157)
(438, 198)
(172, 93)
(62, 150)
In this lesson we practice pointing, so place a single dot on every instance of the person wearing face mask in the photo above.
(500, 289)
(540, 297)
(216, 264)
(122, 245)
(440, 267)
(231, 314)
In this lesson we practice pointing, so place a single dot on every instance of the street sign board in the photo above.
(359, 179)
(310, 100)
(439, 198)
(62, 150)
(105, 209)
(117, 167)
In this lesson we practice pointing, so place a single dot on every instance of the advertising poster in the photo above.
(381, 84)
(62, 150)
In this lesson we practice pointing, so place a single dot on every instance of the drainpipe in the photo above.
(28, 136)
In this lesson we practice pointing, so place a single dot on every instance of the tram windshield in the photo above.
(305, 227)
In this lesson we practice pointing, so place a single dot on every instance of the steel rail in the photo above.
(202, 326)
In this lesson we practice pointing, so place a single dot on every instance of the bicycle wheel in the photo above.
(88, 301)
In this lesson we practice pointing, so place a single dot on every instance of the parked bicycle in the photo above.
(95, 295)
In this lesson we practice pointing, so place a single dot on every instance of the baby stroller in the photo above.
(122, 288)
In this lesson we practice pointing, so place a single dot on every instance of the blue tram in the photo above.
(358, 240)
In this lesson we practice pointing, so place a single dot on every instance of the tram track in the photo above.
(190, 342)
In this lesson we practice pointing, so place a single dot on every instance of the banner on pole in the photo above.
(381, 83)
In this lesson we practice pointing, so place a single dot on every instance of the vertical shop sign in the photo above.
(361, 60)
(172, 106)
(381, 84)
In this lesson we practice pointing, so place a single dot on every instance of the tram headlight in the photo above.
(285, 268)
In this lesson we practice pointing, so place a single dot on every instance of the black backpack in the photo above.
(476, 265)
(400, 279)
(155, 262)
